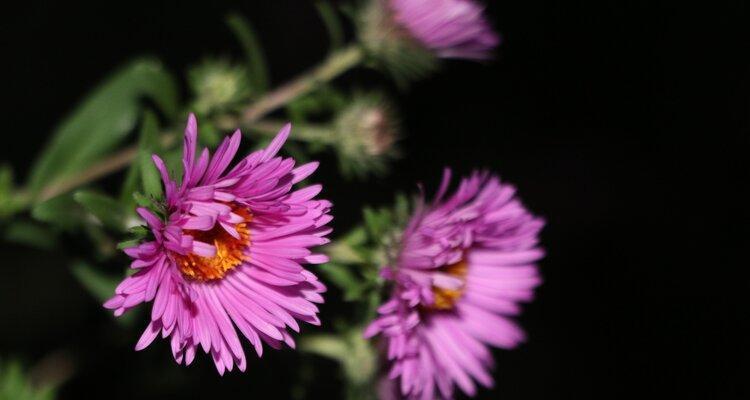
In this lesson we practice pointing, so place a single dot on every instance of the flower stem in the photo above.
(332, 67)
(336, 64)
(98, 170)
(307, 132)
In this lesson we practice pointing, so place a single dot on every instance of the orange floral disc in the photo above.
(230, 251)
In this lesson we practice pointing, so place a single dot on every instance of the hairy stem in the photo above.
(336, 64)
(332, 67)
(307, 132)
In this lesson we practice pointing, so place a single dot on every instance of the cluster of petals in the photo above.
(227, 253)
(465, 263)
(450, 28)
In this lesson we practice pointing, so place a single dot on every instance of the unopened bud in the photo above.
(218, 85)
(367, 132)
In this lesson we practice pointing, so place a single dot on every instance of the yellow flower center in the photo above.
(445, 299)
(230, 251)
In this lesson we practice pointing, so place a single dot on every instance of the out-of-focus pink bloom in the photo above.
(465, 263)
(449, 28)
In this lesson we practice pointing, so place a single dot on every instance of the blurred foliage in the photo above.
(103, 120)
(9, 203)
(149, 144)
(257, 71)
(329, 16)
(31, 234)
(107, 211)
(61, 212)
(15, 384)
(357, 357)
(356, 258)
(100, 285)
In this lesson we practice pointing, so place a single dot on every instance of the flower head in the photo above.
(407, 36)
(450, 28)
(463, 265)
(227, 253)
(366, 134)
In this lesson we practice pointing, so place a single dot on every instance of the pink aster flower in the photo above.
(450, 28)
(227, 254)
(464, 264)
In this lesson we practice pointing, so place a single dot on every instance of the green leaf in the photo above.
(209, 134)
(149, 135)
(325, 100)
(129, 185)
(142, 200)
(402, 209)
(356, 236)
(6, 181)
(378, 222)
(16, 385)
(148, 145)
(345, 278)
(327, 345)
(333, 24)
(100, 285)
(103, 120)
(9, 203)
(103, 245)
(343, 252)
(30, 234)
(137, 234)
(256, 60)
(297, 152)
(61, 211)
(106, 209)
(147, 141)
(356, 355)
(126, 244)
(173, 159)
(149, 175)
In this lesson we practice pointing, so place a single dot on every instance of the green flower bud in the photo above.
(366, 133)
(218, 85)
(390, 45)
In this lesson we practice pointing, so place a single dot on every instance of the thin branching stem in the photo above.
(336, 64)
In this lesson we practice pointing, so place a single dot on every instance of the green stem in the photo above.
(333, 66)
(336, 64)
(101, 169)
(308, 132)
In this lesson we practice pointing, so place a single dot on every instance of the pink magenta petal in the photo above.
(252, 229)
(465, 263)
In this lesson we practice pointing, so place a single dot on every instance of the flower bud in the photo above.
(366, 133)
(218, 85)
(408, 36)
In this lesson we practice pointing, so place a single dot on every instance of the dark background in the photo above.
(624, 123)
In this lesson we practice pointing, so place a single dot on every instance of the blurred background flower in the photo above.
(449, 28)
(408, 37)
(461, 266)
